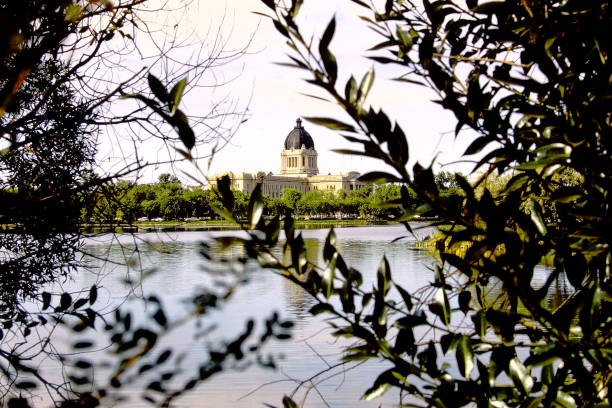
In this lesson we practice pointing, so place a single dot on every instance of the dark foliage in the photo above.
(62, 73)
(533, 80)
(44, 177)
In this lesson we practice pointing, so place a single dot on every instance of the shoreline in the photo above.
(220, 225)
(224, 225)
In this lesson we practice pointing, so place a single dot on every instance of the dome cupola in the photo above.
(299, 156)
(298, 137)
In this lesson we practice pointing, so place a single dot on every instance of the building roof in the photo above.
(298, 137)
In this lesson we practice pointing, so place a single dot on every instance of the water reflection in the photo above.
(181, 272)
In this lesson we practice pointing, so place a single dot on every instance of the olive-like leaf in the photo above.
(321, 308)
(464, 301)
(364, 88)
(185, 131)
(46, 300)
(65, 301)
(176, 94)
(406, 297)
(384, 276)
(520, 375)
(289, 403)
(328, 276)
(536, 217)
(464, 356)
(330, 123)
(376, 391)
(269, 3)
(350, 90)
(158, 89)
(93, 294)
(441, 299)
(255, 207)
(327, 35)
(378, 177)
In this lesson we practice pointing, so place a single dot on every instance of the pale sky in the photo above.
(273, 92)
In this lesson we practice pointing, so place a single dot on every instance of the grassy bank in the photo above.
(300, 224)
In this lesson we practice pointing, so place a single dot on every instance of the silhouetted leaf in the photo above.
(79, 303)
(82, 344)
(256, 206)
(477, 145)
(270, 4)
(464, 301)
(379, 177)
(160, 318)
(289, 403)
(464, 356)
(65, 301)
(442, 306)
(163, 357)
(25, 385)
(83, 364)
(159, 90)
(406, 297)
(184, 130)
(93, 294)
(327, 35)
(321, 308)
(330, 123)
(377, 390)
(384, 276)
(46, 296)
(328, 276)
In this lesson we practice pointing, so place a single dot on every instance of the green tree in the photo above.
(198, 202)
(276, 206)
(445, 180)
(291, 197)
(532, 79)
(166, 178)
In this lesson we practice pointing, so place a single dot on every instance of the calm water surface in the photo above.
(175, 270)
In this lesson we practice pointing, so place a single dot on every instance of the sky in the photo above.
(274, 94)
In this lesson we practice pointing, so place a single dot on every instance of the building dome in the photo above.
(298, 137)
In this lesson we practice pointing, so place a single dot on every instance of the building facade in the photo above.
(298, 170)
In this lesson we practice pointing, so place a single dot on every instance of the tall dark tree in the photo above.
(45, 176)
(68, 82)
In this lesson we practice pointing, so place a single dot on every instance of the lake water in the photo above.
(176, 270)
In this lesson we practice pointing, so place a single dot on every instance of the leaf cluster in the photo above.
(535, 95)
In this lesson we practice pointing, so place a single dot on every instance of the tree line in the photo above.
(169, 199)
